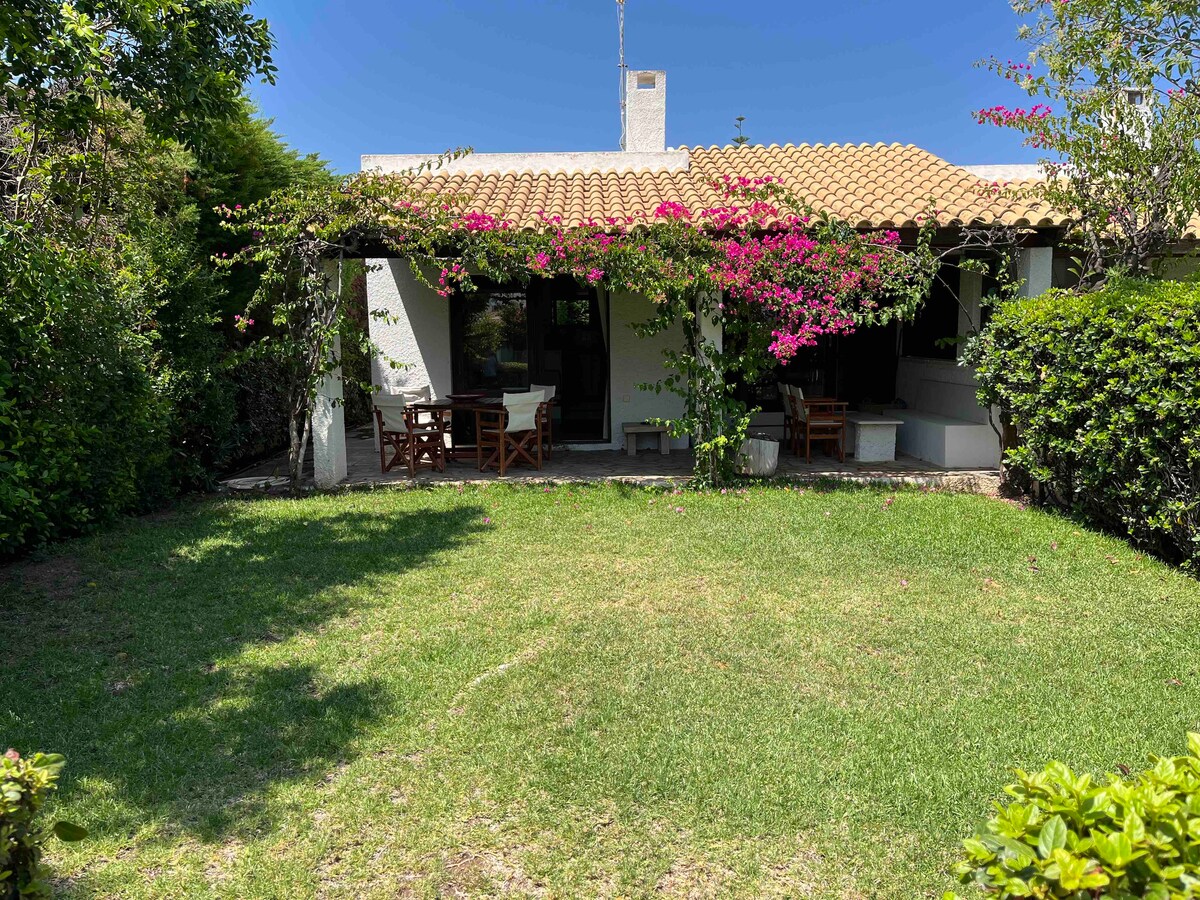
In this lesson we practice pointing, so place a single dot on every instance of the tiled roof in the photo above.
(870, 186)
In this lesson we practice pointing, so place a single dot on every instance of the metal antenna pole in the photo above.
(621, 64)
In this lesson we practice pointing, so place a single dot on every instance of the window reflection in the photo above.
(495, 340)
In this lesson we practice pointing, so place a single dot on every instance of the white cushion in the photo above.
(549, 390)
(391, 406)
(522, 410)
(420, 395)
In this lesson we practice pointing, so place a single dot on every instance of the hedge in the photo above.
(1104, 394)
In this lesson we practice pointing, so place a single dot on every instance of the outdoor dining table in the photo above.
(451, 405)
(460, 405)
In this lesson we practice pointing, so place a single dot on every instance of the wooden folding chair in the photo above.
(512, 434)
(392, 430)
(410, 438)
(426, 443)
(817, 419)
(550, 391)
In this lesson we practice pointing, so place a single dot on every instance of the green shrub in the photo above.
(1102, 389)
(83, 433)
(1064, 835)
(24, 786)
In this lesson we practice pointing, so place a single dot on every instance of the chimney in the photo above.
(1139, 101)
(645, 111)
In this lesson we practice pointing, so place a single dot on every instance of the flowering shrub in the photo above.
(1066, 835)
(24, 785)
(760, 267)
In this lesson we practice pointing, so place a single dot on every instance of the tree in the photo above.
(72, 69)
(739, 138)
(180, 63)
(121, 124)
(1118, 113)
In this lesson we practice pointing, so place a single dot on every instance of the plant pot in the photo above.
(758, 456)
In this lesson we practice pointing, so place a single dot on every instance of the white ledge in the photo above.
(1008, 172)
(489, 163)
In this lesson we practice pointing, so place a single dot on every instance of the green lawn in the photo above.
(577, 692)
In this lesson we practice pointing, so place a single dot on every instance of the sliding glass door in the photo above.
(503, 338)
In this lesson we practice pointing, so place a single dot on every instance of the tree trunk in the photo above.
(299, 427)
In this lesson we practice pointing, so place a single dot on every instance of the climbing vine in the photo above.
(750, 281)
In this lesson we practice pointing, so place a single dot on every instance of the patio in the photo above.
(647, 468)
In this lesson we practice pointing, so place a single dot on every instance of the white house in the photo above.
(581, 339)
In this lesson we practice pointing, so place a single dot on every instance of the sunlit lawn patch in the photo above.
(584, 691)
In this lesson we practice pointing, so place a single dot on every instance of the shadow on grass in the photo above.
(146, 679)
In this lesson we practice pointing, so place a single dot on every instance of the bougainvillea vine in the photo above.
(759, 270)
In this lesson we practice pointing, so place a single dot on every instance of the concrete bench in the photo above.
(633, 429)
(948, 442)
(874, 436)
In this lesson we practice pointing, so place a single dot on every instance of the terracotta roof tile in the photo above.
(869, 185)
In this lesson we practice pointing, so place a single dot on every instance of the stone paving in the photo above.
(649, 467)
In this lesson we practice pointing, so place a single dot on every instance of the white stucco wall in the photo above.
(1035, 268)
(939, 386)
(570, 162)
(635, 360)
(420, 335)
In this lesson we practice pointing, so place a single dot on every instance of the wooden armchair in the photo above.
(549, 392)
(413, 438)
(821, 419)
(512, 434)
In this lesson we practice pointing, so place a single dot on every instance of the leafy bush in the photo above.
(1067, 836)
(24, 785)
(116, 388)
(81, 429)
(262, 409)
(1103, 393)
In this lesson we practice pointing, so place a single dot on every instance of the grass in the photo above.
(577, 691)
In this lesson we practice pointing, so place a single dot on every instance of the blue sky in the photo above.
(409, 76)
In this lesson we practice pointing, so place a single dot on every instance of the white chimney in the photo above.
(1139, 101)
(645, 111)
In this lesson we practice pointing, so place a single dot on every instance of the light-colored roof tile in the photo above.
(869, 185)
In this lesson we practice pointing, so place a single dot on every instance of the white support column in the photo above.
(970, 300)
(329, 428)
(1035, 268)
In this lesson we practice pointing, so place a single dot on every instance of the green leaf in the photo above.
(1115, 849)
(1135, 828)
(51, 763)
(1053, 836)
(69, 831)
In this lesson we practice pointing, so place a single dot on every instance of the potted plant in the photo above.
(758, 456)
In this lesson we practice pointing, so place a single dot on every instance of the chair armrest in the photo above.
(819, 403)
(413, 418)
(492, 417)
